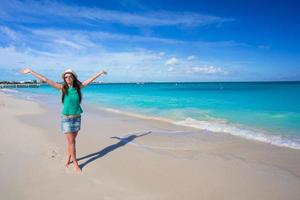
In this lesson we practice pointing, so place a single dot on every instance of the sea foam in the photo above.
(241, 131)
(9, 91)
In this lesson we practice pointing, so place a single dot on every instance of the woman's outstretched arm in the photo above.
(41, 77)
(88, 81)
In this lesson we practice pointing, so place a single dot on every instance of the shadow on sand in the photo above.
(106, 150)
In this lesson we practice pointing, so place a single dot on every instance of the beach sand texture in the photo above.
(123, 157)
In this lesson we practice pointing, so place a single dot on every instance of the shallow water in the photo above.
(264, 111)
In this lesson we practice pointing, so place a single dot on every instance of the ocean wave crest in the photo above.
(11, 91)
(237, 130)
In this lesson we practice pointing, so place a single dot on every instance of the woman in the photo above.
(71, 112)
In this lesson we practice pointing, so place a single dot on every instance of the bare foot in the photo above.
(77, 168)
(68, 162)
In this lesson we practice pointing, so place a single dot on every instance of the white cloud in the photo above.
(122, 66)
(86, 50)
(263, 47)
(69, 43)
(170, 69)
(162, 54)
(119, 62)
(69, 40)
(36, 11)
(94, 38)
(172, 61)
(191, 57)
(12, 35)
(208, 70)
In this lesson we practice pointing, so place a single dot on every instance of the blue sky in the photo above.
(152, 40)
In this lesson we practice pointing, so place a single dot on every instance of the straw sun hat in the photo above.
(69, 71)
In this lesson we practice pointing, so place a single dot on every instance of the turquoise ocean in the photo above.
(263, 111)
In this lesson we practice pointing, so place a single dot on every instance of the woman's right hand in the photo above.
(25, 71)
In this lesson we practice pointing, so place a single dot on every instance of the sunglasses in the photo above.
(68, 77)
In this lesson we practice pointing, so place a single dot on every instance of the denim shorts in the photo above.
(70, 124)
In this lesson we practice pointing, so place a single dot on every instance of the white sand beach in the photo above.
(123, 157)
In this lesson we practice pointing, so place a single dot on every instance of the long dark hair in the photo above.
(76, 85)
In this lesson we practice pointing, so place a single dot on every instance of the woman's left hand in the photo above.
(25, 71)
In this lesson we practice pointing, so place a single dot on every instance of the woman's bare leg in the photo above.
(71, 142)
(68, 161)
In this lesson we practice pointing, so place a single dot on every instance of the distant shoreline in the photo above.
(20, 85)
(150, 82)
(36, 84)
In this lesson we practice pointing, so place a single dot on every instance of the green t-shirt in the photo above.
(71, 103)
